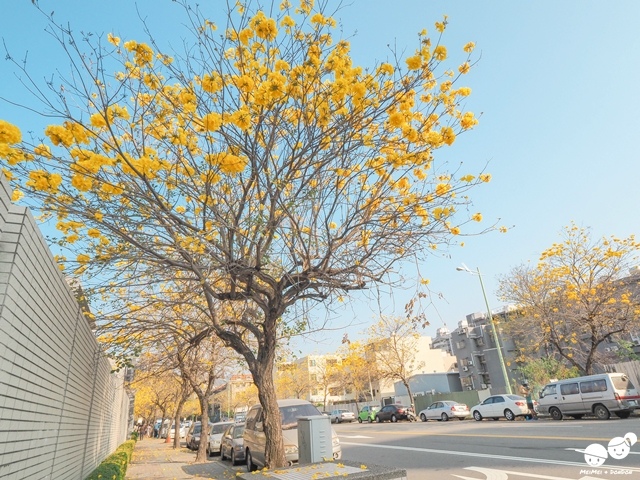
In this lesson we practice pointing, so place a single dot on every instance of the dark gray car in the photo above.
(232, 446)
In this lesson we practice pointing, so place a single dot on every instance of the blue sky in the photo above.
(557, 85)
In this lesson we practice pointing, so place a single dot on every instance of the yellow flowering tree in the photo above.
(580, 297)
(392, 343)
(256, 174)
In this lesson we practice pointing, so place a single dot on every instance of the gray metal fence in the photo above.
(62, 411)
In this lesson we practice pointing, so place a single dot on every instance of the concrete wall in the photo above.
(61, 410)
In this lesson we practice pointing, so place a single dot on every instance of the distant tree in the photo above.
(356, 372)
(538, 372)
(394, 342)
(578, 296)
(292, 381)
(259, 171)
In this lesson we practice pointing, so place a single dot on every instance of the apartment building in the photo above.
(477, 356)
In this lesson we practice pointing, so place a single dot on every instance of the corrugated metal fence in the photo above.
(62, 411)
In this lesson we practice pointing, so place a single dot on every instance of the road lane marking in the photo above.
(354, 436)
(490, 435)
(484, 455)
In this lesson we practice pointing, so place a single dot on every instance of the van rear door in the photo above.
(625, 391)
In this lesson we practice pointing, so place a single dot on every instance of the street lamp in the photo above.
(464, 268)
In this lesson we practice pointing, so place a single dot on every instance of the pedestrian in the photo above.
(529, 397)
(141, 430)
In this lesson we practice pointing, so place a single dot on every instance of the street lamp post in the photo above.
(464, 268)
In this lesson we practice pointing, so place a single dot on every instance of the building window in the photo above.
(460, 345)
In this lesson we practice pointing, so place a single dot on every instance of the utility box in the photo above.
(315, 442)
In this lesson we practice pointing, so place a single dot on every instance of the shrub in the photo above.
(114, 467)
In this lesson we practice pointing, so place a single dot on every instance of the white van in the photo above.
(290, 410)
(599, 395)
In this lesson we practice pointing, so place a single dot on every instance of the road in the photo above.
(496, 450)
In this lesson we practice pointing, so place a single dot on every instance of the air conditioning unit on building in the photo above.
(465, 369)
(470, 362)
(469, 387)
(483, 386)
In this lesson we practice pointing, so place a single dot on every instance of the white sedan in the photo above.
(444, 410)
(339, 416)
(498, 406)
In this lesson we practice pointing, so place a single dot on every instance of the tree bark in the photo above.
(201, 455)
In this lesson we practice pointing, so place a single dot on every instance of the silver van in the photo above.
(290, 410)
(599, 395)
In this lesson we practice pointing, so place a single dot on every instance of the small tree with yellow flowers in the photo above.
(579, 296)
(256, 174)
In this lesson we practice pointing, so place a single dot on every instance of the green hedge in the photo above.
(114, 467)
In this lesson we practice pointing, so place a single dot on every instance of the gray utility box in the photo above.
(315, 442)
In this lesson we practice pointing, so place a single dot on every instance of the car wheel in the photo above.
(233, 458)
(359, 420)
(445, 417)
(623, 414)
(222, 455)
(209, 453)
(378, 419)
(250, 466)
(423, 417)
(601, 412)
(477, 416)
(369, 420)
(555, 413)
(394, 419)
(509, 415)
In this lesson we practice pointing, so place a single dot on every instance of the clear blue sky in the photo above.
(557, 85)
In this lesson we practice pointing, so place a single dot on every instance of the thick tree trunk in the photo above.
(406, 384)
(272, 423)
(201, 455)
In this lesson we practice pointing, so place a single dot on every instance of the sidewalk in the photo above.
(155, 459)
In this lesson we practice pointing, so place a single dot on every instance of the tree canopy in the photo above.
(253, 175)
(580, 295)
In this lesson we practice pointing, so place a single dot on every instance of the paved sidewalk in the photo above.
(155, 459)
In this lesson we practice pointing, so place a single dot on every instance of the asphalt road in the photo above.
(497, 450)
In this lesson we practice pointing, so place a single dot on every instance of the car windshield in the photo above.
(196, 429)
(516, 398)
(237, 432)
(291, 413)
(219, 428)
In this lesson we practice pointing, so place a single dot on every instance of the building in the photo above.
(428, 384)
(478, 361)
(421, 359)
(442, 340)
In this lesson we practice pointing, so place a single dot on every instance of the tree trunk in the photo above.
(406, 384)
(272, 423)
(201, 455)
(176, 437)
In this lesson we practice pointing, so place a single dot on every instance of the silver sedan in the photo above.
(444, 410)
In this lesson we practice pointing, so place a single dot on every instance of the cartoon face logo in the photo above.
(619, 447)
(595, 455)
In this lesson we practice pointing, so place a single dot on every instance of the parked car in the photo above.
(598, 395)
(339, 416)
(215, 437)
(444, 410)
(232, 445)
(367, 414)
(193, 436)
(290, 410)
(498, 406)
(240, 417)
(392, 413)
